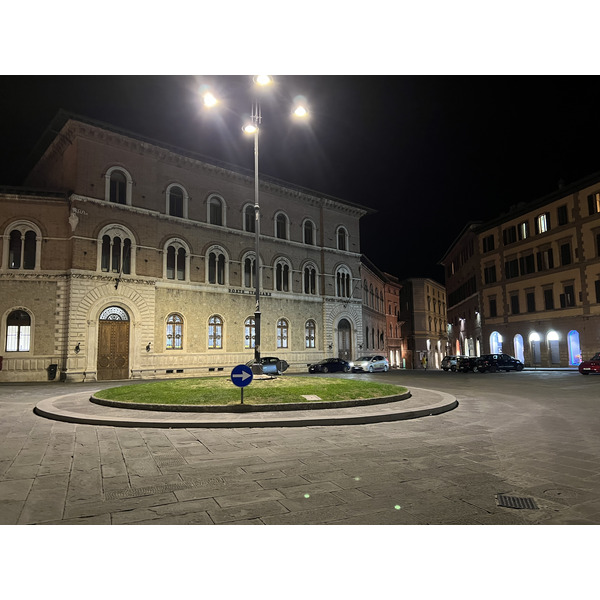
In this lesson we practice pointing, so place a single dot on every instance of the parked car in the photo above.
(370, 363)
(271, 365)
(449, 362)
(498, 362)
(330, 365)
(590, 366)
(466, 363)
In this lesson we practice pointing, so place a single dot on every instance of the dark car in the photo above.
(271, 365)
(590, 366)
(466, 363)
(498, 362)
(449, 362)
(330, 365)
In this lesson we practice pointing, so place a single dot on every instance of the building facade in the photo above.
(374, 317)
(535, 279)
(394, 324)
(423, 310)
(140, 263)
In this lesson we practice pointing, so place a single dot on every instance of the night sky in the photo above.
(428, 153)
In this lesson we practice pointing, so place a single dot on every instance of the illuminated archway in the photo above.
(574, 347)
(518, 343)
(495, 343)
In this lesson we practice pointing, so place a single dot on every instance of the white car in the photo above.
(370, 363)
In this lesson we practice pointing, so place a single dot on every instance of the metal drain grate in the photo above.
(515, 502)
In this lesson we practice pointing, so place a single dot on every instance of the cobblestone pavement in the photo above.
(529, 435)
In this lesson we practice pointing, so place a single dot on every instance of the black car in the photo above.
(330, 365)
(466, 363)
(271, 365)
(498, 362)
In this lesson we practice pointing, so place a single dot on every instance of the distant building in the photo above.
(528, 282)
(139, 263)
(423, 310)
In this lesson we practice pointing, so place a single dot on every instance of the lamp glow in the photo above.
(249, 128)
(263, 79)
(209, 100)
(300, 111)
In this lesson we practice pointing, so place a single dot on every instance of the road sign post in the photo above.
(241, 375)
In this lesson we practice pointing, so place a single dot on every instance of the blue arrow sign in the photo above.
(241, 375)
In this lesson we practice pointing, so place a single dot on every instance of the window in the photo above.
(565, 254)
(493, 308)
(116, 254)
(563, 216)
(310, 280)
(216, 266)
(542, 223)
(174, 332)
(366, 293)
(597, 283)
(215, 333)
(282, 276)
(118, 188)
(488, 243)
(23, 244)
(523, 230)
(249, 219)
(511, 268)
(176, 197)
(598, 244)
(567, 298)
(514, 304)
(281, 224)
(309, 233)
(310, 332)
(545, 260)
(509, 235)
(342, 238)
(594, 203)
(176, 259)
(527, 264)
(215, 211)
(18, 331)
(249, 333)
(367, 337)
(530, 301)
(489, 274)
(282, 333)
(342, 283)
(249, 271)
(548, 299)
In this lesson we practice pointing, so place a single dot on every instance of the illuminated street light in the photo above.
(209, 100)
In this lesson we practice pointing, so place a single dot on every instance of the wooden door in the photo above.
(113, 350)
(344, 340)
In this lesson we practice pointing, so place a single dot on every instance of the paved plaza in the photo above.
(530, 435)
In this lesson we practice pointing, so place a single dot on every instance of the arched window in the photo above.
(518, 343)
(495, 343)
(376, 299)
(366, 292)
(24, 242)
(249, 333)
(372, 298)
(309, 233)
(249, 271)
(282, 333)
(118, 186)
(176, 260)
(342, 279)
(249, 218)
(117, 255)
(215, 333)
(176, 201)
(310, 279)
(342, 238)
(574, 348)
(216, 211)
(216, 266)
(310, 330)
(282, 276)
(367, 336)
(281, 226)
(18, 331)
(174, 332)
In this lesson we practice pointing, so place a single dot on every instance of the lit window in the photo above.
(249, 333)
(542, 223)
(215, 333)
(282, 333)
(310, 332)
(18, 331)
(174, 332)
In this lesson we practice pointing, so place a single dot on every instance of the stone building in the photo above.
(139, 263)
(531, 285)
(374, 318)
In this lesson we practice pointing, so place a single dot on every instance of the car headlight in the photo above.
(351, 364)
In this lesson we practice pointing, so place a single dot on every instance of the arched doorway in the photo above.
(518, 343)
(553, 348)
(113, 344)
(534, 342)
(344, 339)
(495, 343)
(574, 347)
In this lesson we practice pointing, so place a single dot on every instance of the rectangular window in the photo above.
(597, 282)
(493, 308)
(509, 235)
(565, 254)
(598, 244)
(514, 305)
(548, 300)
(530, 301)
(594, 203)
(523, 230)
(511, 268)
(568, 297)
(488, 243)
(489, 274)
(527, 264)
(545, 260)
(563, 217)
(542, 223)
